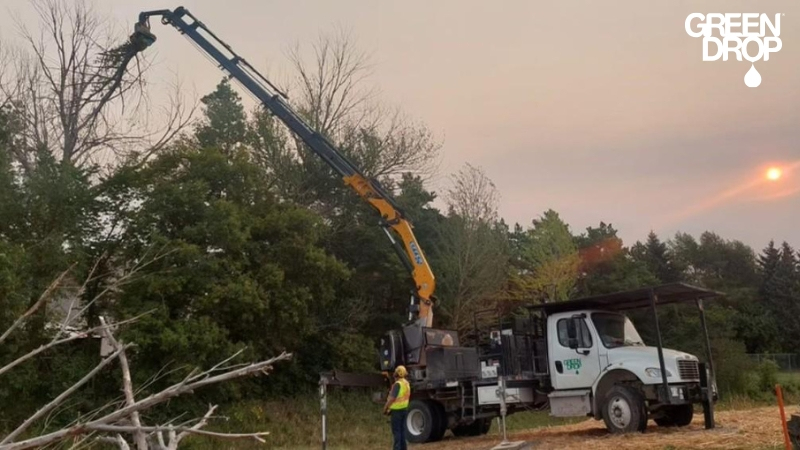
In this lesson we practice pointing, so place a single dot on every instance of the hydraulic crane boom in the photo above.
(393, 221)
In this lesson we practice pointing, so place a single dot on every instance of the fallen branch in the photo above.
(44, 347)
(139, 437)
(175, 390)
(56, 401)
(42, 300)
(182, 430)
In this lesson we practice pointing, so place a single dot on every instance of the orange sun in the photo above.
(774, 174)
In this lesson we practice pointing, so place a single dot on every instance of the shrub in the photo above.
(767, 375)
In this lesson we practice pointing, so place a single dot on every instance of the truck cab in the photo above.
(600, 367)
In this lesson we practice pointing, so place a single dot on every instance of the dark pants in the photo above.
(399, 429)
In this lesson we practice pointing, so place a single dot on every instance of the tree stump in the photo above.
(794, 431)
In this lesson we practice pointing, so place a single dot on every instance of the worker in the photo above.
(397, 407)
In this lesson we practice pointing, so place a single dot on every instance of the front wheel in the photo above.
(624, 410)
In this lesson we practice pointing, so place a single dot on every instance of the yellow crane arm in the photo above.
(414, 258)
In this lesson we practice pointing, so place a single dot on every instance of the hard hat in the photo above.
(400, 371)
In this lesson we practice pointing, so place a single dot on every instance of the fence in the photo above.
(786, 361)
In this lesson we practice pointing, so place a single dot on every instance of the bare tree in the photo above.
(473, 196)
(335, 98)
(477, 257)
(117, 419)
(80, 88)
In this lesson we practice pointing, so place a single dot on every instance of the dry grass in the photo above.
(758, 428)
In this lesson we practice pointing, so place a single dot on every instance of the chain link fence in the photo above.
(787, 362)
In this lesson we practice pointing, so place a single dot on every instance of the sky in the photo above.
(602, 111)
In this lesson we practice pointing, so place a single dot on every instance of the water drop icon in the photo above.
(752, 78)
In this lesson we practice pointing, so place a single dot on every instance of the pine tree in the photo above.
(225, 122)
(658, 259)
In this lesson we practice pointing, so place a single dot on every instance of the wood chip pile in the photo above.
(758, 428)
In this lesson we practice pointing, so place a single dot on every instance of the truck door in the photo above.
(574, 356)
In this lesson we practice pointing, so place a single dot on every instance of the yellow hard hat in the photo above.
(400, 371)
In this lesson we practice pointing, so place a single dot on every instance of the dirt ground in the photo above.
(756, 429)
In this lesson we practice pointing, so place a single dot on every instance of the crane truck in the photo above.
(580, 358)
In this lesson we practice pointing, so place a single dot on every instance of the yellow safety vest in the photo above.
(401, 402)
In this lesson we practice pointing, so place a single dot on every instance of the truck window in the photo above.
(584, 336)
(616, 330)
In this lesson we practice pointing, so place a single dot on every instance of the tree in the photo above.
(335, 100)
(606, 265)
(782, 292)
(547, 261)
(225, 123)
(78, 94)
(658, 259)
(474, 261)
(243, 269)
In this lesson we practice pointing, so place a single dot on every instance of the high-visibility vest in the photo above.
(401, 402)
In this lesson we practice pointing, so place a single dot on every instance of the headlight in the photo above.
(655, 373)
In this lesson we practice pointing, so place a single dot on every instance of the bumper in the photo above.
(683, 393)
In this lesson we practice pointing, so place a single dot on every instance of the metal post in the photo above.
(708, 401)
(667, 394)
(501, 382)
(705, 336)
(323, 403)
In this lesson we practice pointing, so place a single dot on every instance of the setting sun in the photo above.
(773, 173)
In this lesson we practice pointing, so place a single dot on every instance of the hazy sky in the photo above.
(599, 110)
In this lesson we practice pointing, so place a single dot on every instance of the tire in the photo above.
(440, 420)
(624, 410)
(423, 423)
(676, 416)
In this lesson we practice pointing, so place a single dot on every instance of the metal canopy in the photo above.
(638, 298)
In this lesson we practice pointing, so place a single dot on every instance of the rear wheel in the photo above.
(440, 420)
(624, 410)
(675, 416)
(425, 421)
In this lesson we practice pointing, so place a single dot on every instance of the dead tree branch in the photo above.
(111, 418)
(127, 385)
(42, 300)
(56, 401)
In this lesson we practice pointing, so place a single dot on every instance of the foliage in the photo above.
(545, 259)
(767, 375)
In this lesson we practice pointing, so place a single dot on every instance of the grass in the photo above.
(789, 378)
(355, 422)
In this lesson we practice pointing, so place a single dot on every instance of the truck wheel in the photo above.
(676, 416)
(440, 419)
(423, 423)
(624, 410)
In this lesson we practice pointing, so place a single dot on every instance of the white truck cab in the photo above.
(600, 366)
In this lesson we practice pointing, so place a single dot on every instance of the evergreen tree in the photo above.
(656, 256)
(224, 124)
(607, 266)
